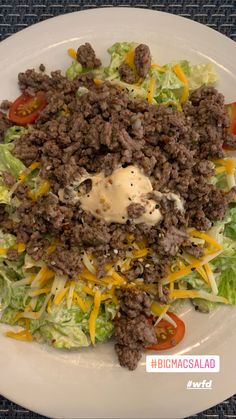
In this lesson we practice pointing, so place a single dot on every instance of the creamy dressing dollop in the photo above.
(110, 196)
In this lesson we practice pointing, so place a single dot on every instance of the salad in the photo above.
(117, 189)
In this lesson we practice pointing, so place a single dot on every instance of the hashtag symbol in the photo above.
(189, 384)
(153, 363)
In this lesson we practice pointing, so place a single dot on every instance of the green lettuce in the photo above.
(13, 133)
(8, 162)
(62, 327)
(61, 337)
(6, 240)
(230, 226)
(117, 52)
(5, 196)
(225, 268)
(74, 70)
(5, 292)
(201, 74)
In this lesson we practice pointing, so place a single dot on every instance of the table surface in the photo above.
(17, 15)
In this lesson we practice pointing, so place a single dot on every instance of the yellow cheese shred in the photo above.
(59, 297)
(158, 67)
(199, 294)
(180, 74)
(159, 309)
(78, 300)
(72, 53)
(129, 58)
(93, 316)
(20, 247)
(42, 190)
(98, 82)
(205, 237)
(39, 292)
(140, 253)
(211, 278)
(29, 169)
(228, 164)
(151, 89)
(22, 335)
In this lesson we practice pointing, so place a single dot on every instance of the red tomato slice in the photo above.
(167, 335)
(26, 108)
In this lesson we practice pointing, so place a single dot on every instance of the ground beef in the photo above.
(12, 254)
(4, 124)
(8, 179)
(42, 68)
(87, 57)
(195, 251)
(5, 105)
(135, 210)
(230, 141)
(65, 261)
(170, 242)
(36, 246)
(127, 74)
(128, 357)
(142, 59)
(154, 270)
(133, 331)
(133, 302)
(131, 336)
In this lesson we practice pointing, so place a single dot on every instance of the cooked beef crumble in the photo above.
(87, 57)
(100, 131)
(133, 330)
(127, 73)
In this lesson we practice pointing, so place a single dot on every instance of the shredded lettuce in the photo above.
(201, 74)
(6, 240)
(117, 52)
(60, 327)
(8, 162)
(230, 226)
(13, 133)
(5, 197)
(74, 70)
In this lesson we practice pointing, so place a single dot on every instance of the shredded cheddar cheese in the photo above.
(228, 164)
(159, 309)
(98, 82)
(211, 278)
(180, 74)
(72, 53)
(22, 335)
(140, 253)
(129, 59)
(161, 69)
(78, 300)
(151, 89)
(206, 237)
(93, 316)
(199, 294)
(42, 190)
(29, 169)
(59, 297)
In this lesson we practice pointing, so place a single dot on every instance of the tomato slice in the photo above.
(26, 108)
(168, 336)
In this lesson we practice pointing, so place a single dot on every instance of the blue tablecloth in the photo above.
(17, 15)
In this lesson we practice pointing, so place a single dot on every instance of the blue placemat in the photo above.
(17, 15)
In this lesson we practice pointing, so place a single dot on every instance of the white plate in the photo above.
(89, 383)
